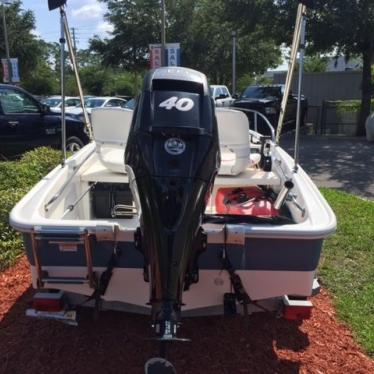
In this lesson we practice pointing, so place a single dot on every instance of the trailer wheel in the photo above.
(74, 144)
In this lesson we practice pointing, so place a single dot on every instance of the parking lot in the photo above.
(337, 162)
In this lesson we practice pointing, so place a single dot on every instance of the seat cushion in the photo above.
(233, 133)
(111, 124)
(111, 128)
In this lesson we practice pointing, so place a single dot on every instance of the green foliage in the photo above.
(201, 26)
(29, 169)
(345, 106)
(244, 81)
(10, 242)
(16, 178)
(33, 54)
(43, 81)
(97, 80)
(315, 64)
(344, 26)
(94, 79)
(248, 79)
(347, 266)
(71, 85)
(127, 84)
(136, 25)
(22, 43)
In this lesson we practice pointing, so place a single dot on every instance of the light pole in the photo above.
(163, 33)
(234, 62)
(3, 2)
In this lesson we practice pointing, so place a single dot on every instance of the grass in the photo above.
(346, 269)
(16, 178)
(347, 266)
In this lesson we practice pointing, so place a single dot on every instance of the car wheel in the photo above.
(74, 144)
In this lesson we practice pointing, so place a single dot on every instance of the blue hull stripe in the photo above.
(257, 254)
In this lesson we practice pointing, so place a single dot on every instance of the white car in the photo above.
(97, 102)
(55, 102)
(221, 95)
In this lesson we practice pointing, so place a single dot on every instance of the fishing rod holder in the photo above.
(283, 194)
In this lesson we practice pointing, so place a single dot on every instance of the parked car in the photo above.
(267, 100)
(96, 102)
(221, 95)
(131, 104)
(26, 123)
(55, 102)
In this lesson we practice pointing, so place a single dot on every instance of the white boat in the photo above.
(263, 224)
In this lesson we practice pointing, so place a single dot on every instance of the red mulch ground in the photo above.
(116, 343)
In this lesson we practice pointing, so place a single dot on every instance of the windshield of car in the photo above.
(256, 92)
(52, 102)
(94, 103)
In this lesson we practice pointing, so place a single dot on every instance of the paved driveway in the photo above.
(343, 163)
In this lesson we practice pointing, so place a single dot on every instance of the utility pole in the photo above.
(234, 62)
(6, 42)
(163, 33)
(74, 40)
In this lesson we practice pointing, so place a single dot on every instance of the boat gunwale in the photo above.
(307, 229)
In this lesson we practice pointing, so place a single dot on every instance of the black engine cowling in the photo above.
(172, 156)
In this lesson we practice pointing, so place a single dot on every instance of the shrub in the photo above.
(16, 178)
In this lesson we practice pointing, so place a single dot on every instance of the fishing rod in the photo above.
(65, 32)
(301, 10)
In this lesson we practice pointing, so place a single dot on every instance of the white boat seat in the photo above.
(111, 128)
(254, 159)
(233, 127)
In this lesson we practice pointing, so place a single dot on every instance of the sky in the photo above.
(86, 16)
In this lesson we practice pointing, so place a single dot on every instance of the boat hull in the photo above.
(268, 268)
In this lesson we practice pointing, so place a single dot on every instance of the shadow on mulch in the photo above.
(117, 343)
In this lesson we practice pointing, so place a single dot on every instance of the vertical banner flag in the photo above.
(4, 62)
(14, 68)
(172, 55)
(155, 55)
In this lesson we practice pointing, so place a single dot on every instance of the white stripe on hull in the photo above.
(127, 285)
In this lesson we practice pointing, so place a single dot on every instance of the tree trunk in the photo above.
(366, 90)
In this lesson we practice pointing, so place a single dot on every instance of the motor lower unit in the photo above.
(172, 158)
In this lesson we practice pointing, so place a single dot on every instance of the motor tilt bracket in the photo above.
(139, 246)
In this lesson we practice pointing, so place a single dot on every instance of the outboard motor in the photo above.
(172, 157)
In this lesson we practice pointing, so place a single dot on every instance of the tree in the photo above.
(22, 43)
(346, 27)
(136, 25)
(202, 28)
(43, 80)
(315, 64)
(208, 46)
(94, 79)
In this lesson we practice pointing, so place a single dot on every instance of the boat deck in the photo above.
(250, 177)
